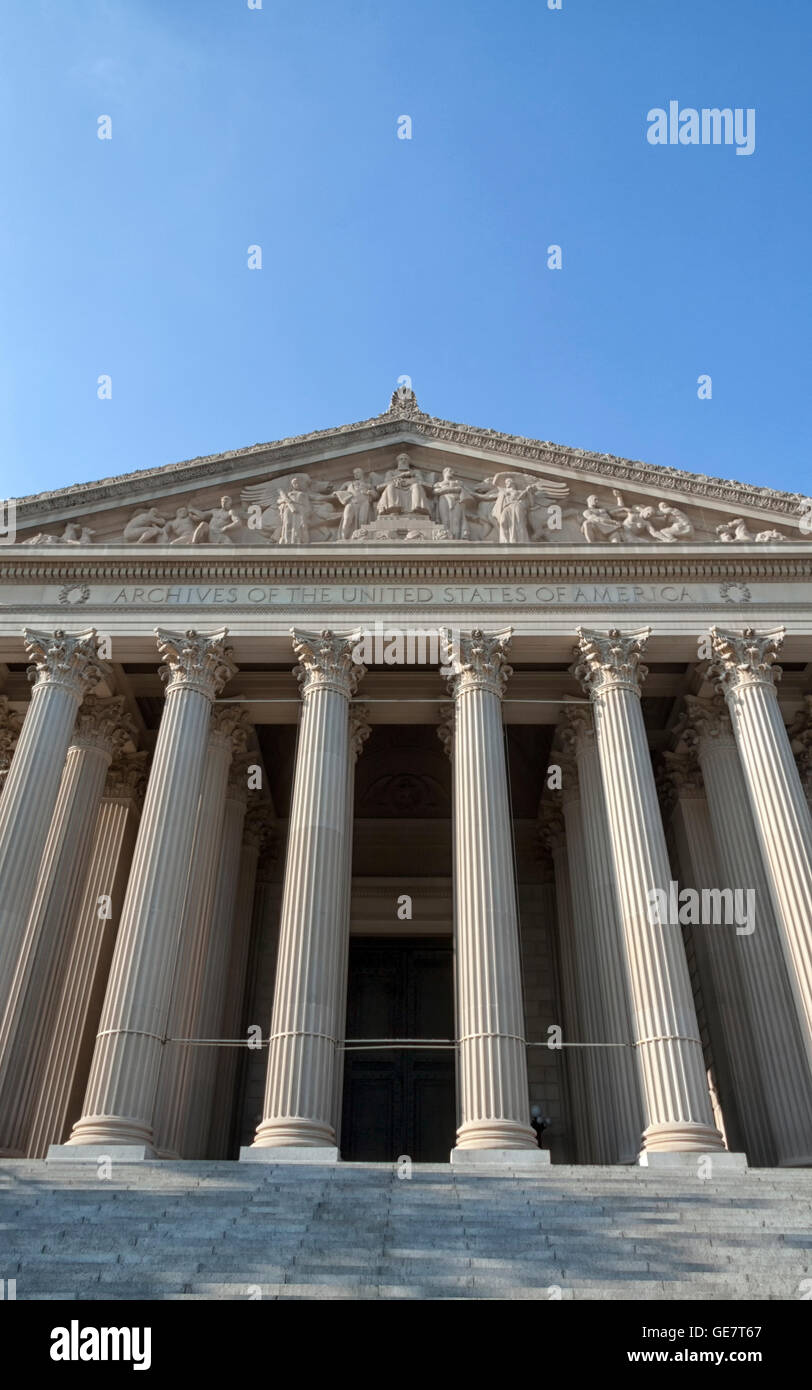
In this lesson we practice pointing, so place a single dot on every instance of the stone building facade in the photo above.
(378, 791)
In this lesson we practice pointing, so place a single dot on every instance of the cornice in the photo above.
(407, 425)
(349, 564)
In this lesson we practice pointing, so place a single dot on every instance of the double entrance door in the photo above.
(399, 1100)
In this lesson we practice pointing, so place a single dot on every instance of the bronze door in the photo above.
(399, 1100)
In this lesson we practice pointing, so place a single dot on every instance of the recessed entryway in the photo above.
(399, 1100)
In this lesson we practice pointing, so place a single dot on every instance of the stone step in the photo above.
(221, 1230)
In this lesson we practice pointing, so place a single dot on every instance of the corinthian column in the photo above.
(607, 942)
(554, 837)
(675, 1090)
(490, 1017)
(800, 735)
(194, 1136)
(65, 668)
(742, 669)
(769, 1013)
(59, 1095)
(120, 1097)
(590, 991)
(359, 733)
(10, 725)
(228, 732)
(251, 904)
(732, 1026)
(101, 729)
(310, 978)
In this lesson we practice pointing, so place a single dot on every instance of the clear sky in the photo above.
(235, 127)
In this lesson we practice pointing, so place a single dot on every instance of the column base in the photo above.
(718, 1164)
(112, 1129)
(683, 1137)
(289, 1153)
(500, 1158)
(496, 1134)
(92, 1153)
(297, 1132)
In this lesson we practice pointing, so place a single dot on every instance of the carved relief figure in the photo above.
(357, 497)
(766, 537)
(679, 527)
(404, 491)
(511, 506)
(738, 530)
(180, 528)
(511, 510)
(635, 521)
(74, 534)
(144, 527)
(735, 530)
(453, 496)
(218, 525)
(623, 523)
(599, 524)
(296, 511)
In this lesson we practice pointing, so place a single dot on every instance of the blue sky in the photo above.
(381, 257)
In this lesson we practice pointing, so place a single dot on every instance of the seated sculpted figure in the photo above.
(180, 529)
(144, 527)
(600, 524)
(219, 525)
(403, 492)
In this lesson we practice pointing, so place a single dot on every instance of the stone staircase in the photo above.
(354, 1230)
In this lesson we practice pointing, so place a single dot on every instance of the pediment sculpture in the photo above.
(403, 503)
(636, 523)
(411, 504)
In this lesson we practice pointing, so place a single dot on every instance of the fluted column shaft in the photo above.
(771, 1017)
(59, 1093)
(570, 994)
(359, 733)
(608, 943)
(227, 734)
(119, 1103)
(591, 1002)
(675, 1089)
(65, 668)
(11, 722)
(732, 1033)
(492, 1047)
(193, 1142)
(742, 667)
(800, 737)
(309, 995)
(255, 842)
(26, 1036)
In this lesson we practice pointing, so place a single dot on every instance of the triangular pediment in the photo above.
(407, 476)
